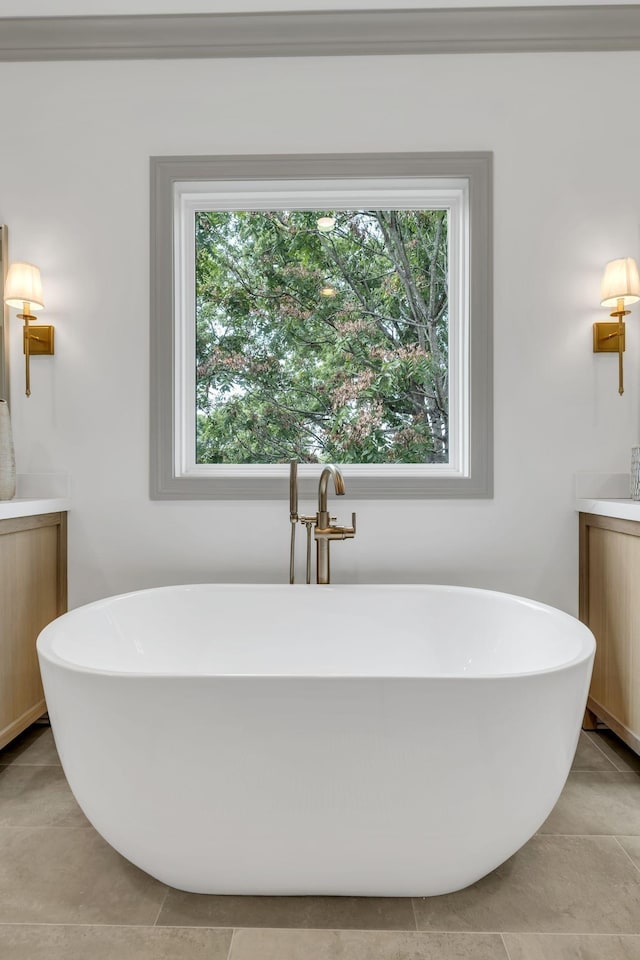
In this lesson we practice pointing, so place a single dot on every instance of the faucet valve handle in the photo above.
(336, 533)
(349, 532)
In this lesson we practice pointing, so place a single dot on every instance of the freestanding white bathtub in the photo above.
(372, 740)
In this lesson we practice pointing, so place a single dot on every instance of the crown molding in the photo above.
(322, 33)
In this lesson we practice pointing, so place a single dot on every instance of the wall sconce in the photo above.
(620, 287)
(24, 289)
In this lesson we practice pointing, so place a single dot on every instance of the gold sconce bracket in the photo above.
(605, 336)
(41, 342)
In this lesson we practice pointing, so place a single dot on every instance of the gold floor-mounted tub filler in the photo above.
(321, 524)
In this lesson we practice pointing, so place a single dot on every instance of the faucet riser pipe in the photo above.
(323, 566)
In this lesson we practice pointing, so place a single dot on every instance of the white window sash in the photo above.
(451, 194)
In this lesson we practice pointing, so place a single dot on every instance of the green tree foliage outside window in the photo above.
(322, 345)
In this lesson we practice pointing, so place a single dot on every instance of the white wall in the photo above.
(74, 191)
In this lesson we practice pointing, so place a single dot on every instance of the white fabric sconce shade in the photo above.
(23, 285)
(620, 282)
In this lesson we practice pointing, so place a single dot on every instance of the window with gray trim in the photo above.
(238, 242)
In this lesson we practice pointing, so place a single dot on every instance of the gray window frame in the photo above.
(476, 168)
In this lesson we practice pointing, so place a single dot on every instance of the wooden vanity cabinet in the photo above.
(610, 607)
(33, 591)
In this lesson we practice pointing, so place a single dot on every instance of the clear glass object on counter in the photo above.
(634, 485)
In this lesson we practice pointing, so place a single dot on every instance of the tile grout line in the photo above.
(589, 734)
(607, 757)
(371, 930)
(569, 933)
(603, 773)
(233, 936)
(54, 826)
(21, 766)
(626, 853)
(415, 915)
(164, 900)
(504, 944)
(582, 836)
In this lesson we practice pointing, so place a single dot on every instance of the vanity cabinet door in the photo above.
(610, 606)
(33, 591)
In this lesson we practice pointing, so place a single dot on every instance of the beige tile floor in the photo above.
(571, 893)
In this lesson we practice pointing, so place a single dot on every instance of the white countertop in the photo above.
(30, 506)
(622, 509)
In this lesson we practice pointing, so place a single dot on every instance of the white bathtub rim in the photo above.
(47, 636)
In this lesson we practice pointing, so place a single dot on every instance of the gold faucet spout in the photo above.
(338, 485)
